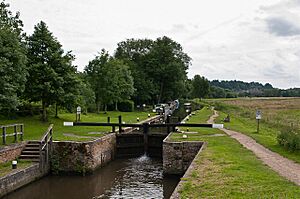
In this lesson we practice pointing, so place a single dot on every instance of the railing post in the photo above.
(145, 131)
(41, 161)
(50, 141)
(22, 130)
(113, 128)
(4, 135)
(15, 133)
(120, 122)
(108, 119)
(168, 121)
(46, 148)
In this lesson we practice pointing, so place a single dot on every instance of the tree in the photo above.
(110, 79)
(52, 76)
(158, 67)
(133, 52)
(87, 96)
(95, 75)
(200, 87)
(12, 59)
(167, 64)
(118, 82)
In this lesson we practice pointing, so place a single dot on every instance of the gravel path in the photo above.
(283, 166)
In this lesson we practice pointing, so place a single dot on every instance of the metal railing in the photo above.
(17, 131)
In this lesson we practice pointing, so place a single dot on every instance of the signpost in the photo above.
(78, 113)
(258, 117)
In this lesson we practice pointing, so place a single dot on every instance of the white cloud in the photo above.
(255, 40)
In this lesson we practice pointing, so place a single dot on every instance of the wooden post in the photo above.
(22, 131)
(15, 133)
(168, 121)
(120, 122)
(51, 139)
(46, 148)
(145, 131)
(4, 135)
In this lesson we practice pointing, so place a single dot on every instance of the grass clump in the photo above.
(289, 139)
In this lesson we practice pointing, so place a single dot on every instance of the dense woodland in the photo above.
(35, 71)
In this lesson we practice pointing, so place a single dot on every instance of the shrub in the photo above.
(289, 139)
(126, 106)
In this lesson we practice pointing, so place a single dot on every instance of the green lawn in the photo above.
(225, 169)
(34, 128)
(6, 168)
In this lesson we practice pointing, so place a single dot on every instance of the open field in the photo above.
(225, 169)
(278, 114)
(34, 128)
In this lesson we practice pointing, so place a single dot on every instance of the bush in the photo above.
(126, 106)
(289, 139)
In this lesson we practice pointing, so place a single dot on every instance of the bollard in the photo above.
(14, 164)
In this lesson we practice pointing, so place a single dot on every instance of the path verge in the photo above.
(283, 166)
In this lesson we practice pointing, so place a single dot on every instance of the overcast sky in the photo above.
(248, 40)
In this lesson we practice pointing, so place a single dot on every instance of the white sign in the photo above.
(68, 123)
(78, 110)
(217, 126)
(258, 115)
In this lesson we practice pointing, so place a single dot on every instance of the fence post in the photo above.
(15, 133)
(4, 135)
(108, 119)
(145, 131)
(120, 122)
(22, 130)
(168, 121)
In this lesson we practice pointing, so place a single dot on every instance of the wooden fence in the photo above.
(18, 129)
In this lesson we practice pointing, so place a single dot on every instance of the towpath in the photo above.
(283, 166)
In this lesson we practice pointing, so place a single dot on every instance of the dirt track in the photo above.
(283, 166)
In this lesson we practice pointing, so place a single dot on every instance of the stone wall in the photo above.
(175, 194)
(82, 157)
(11, 152)
(20, 178)
(177, 156)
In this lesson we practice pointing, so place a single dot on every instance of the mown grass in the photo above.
(6, 168)
(276, 116)
(225, 169)
(34, 128)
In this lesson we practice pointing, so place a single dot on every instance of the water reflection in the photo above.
(123, 178)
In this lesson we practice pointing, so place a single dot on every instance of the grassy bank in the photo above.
(6, 168)
(34, 128)
(277, 116)
(225, 169)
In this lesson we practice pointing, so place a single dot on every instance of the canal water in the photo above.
(140, 177)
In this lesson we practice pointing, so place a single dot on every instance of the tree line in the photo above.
(233, 88)
(36, 69)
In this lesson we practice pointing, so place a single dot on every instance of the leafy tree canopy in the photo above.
(52, 76)
(12, 59)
